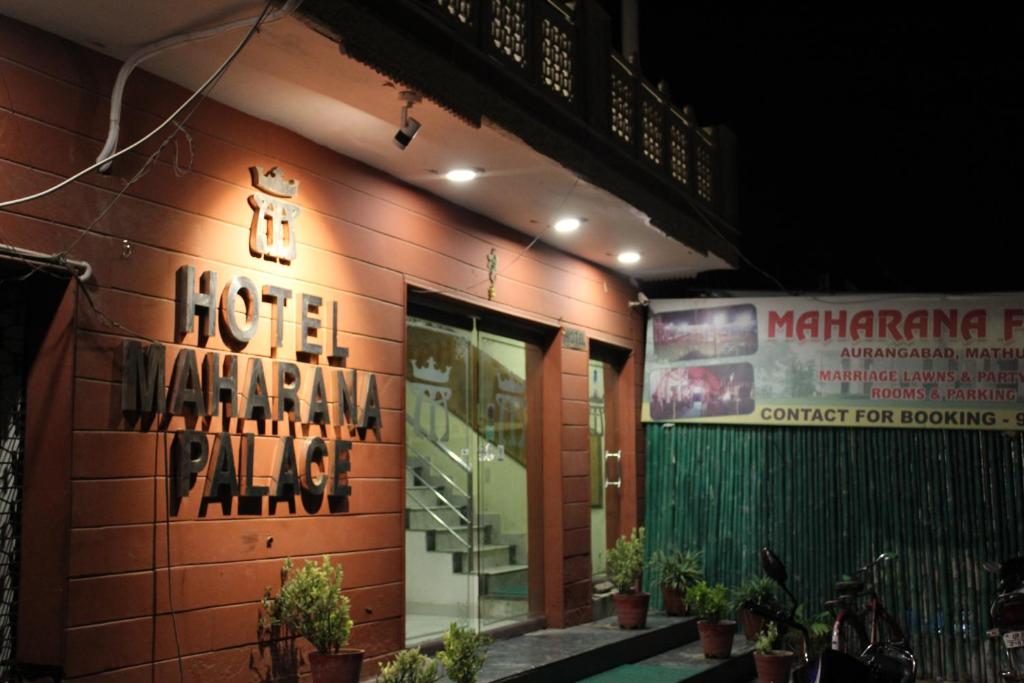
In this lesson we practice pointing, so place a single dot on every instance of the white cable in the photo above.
(156, 48)
(216, 74)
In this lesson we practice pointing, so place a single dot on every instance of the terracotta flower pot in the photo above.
(751, 624)
(716, 639)
(631, 609)
(343, 667)
(774, 666)
(672, 599)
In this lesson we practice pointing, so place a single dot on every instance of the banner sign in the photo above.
(849, 361)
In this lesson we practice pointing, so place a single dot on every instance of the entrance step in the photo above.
(432, 518)
(418, 496)
(686, 664)
(573, 654)
(508, 581)
(443, 541)
(481, 557)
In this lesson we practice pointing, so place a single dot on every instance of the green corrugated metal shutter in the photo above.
(828, 500)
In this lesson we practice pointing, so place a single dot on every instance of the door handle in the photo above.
(608, 455)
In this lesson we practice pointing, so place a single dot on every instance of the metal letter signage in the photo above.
(228, 397)
(273, 223)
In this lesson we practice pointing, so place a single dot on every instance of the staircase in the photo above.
(466, 569)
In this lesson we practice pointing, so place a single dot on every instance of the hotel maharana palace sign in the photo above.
(857, 361)
(313, 389)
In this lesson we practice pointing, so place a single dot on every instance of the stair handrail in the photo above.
(436, 493)
(439, 520)
(437, 470)
(437, 444)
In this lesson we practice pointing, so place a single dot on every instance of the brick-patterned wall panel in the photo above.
(576, 486)
(140, 565)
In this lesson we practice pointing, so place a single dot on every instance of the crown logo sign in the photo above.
(272, 235)
(510, 385)
(273, 182)
(429, 372)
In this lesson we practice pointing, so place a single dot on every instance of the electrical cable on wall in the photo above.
(105, 161)
(153, 49)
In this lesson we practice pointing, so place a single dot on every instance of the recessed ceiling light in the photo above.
(567, 224)
(629, 258)
(460, 175)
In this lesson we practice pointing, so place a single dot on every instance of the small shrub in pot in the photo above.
(675, 571)
(625, 567)
(310, 604)
(463, 654)
(773, 664)
(710, 603)
(754, 591)
(409, 666)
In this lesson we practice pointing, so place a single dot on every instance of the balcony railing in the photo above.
(542, 42)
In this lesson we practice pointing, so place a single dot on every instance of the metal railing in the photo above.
(438, 519)
(437, 444)
(437, 494)
(464, 466)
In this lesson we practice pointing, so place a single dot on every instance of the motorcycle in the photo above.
(1007, 614)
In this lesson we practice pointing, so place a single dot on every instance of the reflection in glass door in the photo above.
(598, 511)
(466, 505)
(502, 551)
(605, 461)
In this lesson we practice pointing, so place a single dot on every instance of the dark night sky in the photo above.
(877, 152)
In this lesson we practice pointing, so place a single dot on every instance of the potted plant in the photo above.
(710, 603)
(463, 653)
(819, 628)
(311, 605)
(625, 566)
(676, 570)
(773, 665)
(409, 666)
(755, 591)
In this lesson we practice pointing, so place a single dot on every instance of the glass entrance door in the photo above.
(602, 381)
(502, 550)
(467, 522)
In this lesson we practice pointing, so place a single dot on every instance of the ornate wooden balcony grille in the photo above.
(705, 149)
(546, 43)
(556, 51)
(652, 126)
(508, 30)
(461, 11)
(679, 146)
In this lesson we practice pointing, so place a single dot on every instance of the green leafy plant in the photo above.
(758, 590)
(463, 654)
(311, 605)
(819, 627)
(625, 562)
(676, 568)
(766, 639)
(709, 602)
(409, 666)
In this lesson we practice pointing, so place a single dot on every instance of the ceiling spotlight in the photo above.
(629, 258)
(567, 225)
(461, 175)
(410, 126)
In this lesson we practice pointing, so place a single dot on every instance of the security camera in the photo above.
(641, 300)
(409, 126)
(407, 132)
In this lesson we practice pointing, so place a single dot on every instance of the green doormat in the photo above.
(639, 673)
